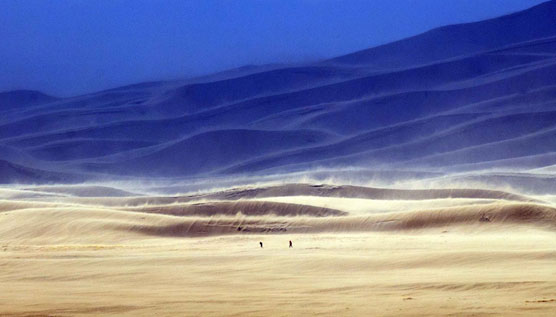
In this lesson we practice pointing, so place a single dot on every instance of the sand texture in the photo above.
(485, 253)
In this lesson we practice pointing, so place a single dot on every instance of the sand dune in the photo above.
(387, 106)
(422, 48)
(417, 148)
(83, 191)
(14, 173)
(216, 93)
(115, 198)
(207, 215)
(523, 214)
(429, 259)
(207, 151)
(247, 208)
(348, 191)
(18, 98)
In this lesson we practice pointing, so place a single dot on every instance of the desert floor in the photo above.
(440, 273)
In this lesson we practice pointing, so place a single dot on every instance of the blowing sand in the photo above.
(61, 258)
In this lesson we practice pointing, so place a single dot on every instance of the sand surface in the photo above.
(439, 273)
(199, 254)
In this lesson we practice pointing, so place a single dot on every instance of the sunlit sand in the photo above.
(124, 256)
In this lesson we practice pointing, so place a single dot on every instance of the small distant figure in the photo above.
(261, 243)
(484, 218)
(291, 244)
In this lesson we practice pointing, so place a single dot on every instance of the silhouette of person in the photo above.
(291, 244)
(261, 243)
(484, 218)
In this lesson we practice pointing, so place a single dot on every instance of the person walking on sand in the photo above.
(291, 244)
(261, 243)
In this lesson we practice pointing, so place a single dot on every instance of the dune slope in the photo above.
(421, 102)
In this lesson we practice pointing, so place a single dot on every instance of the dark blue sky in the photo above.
(73, 47)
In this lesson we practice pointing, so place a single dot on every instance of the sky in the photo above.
(72, 47)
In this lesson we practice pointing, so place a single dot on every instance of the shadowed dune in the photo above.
(205, 95)
(247, 208)
(105, 213)
(507, 214)
(524, 182)
(321, 190)
(51, 223)
(459, 39)
(11, 173)
(83, 191)
(22, 98)
(485, 94)
(421, 144)
(348, 191)
(207, 151)
(232, 211)
(81, 149)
